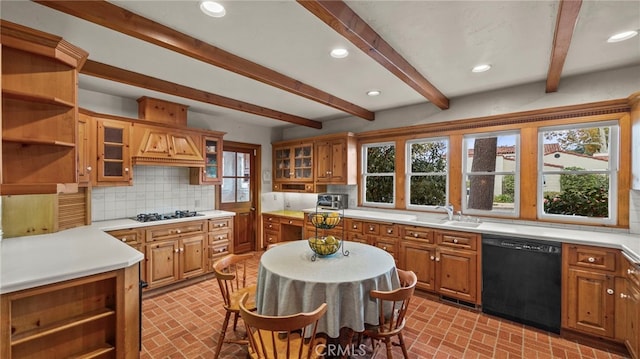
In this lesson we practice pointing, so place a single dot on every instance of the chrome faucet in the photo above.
(449, 209)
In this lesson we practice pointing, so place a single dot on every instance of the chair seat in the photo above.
(295, 340)
(237, 295)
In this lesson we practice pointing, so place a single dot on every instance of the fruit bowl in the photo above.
(325, 220)
(324, 246)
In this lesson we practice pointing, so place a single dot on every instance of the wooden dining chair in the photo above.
(289, 337)
(231, 273)
(392, 322)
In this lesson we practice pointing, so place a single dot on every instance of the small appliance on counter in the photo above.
(333, 201)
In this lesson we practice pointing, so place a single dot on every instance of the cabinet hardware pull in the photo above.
(176, 250)
(181, 250)
(437, 259)
(290, 222)
(355, 226)
(89, 168)
(623, 296)
(389, 231)
(126, 169)
(591, 259)
(609, 291)
(124, 239)
(631, 271)
(415, 235)
(371, 229)
(432, 257)
(455, 241)
(385, 248)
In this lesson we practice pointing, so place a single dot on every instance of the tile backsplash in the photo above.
(155, 189)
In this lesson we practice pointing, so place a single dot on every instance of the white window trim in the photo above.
(516, 174)
(364, 176)
(408, 173)
(614, 155)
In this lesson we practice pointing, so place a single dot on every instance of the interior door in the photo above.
(238, 193)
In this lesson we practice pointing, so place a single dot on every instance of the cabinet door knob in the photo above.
(437, 259)
(290, 222)
(178, 231)
(389, 231)
(432, 257)
(415, 235)
(385, 248)
(609, 291)
(370, 229)
(89, 168)
(631, 271)
(126, 169)
(455, 241)
(176, 250)
(591, 259)
(124, 239)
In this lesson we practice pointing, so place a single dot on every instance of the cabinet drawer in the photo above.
(460, 240)
(270, 219)
(422, 233)
(354, 225)
(371, 228)
(218, 249)
(292, 222)
(157, 233)
(269, 226)
(389, 230)
(271, 237)
(593, 257)
(357, 237)
(220, 223)
(632, 272)
(132, 237)
(218, 236)
(388, 246)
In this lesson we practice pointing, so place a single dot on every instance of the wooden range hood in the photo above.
(170, 142)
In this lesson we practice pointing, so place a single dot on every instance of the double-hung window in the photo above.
(427, 169)
(491, 173)
(378, 174)
(577, 172)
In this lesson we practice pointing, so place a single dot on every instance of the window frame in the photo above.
(612, 172)
(516, 173)
(364, 175)
(409, 173)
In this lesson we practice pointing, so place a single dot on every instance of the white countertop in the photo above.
(628, 243)
(32, 261)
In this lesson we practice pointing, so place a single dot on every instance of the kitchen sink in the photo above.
(433, 220)
(463, 224)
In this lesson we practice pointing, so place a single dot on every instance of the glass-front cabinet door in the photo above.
(303, 162)
(282, 163)
(114, 160)
(212, 151)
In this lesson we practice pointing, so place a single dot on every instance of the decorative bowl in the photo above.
(324, 246)
(325, 220)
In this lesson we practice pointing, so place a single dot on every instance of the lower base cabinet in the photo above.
(170, 261)
(89, 317)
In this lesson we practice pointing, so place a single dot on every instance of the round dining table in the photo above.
(290, 282)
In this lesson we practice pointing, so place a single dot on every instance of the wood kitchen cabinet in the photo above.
(175, 252)
(336, 159)
(113, 155)
(445, 262)
(211, 173)
(133, 237)
(220, 239)
(158, 146)
(293, 166)
(89, 317)
(628, 308)
(39, 111)
(589, 289)
(85, 123)
(276, 228)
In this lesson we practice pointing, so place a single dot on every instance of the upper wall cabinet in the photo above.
(211, 173)
(39, 111)
(293, 166)
(113, 154)
(336, 159)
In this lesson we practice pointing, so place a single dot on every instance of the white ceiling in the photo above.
(443, 40)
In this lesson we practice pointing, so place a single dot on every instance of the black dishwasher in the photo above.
(521, 280)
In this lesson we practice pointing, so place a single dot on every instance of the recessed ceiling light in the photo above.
(481, 68)
(212, 8)
(374, 93)
(622, 36)
(339, 53)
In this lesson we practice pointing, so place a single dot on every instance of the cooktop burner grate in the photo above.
(152, 217)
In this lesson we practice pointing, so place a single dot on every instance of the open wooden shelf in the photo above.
(61, 325)
(94, 353)
(30, 97)
(36, 141)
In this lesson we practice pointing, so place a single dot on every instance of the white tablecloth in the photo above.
(289, 282)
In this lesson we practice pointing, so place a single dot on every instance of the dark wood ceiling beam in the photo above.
(347, 23)
(565, 23)
(97, 69)
(124, 21)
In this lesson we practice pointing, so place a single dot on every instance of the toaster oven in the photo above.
(333, 201)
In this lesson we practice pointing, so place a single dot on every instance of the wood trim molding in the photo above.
(565, 23)
(97, 69)
(514, 118)
(126, 22)
(347, 23)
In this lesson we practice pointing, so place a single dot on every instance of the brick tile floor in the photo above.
(185, 323)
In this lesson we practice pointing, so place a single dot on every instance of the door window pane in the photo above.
(228, 190)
